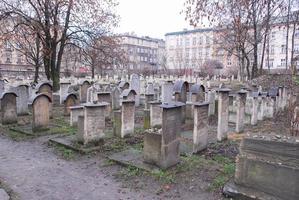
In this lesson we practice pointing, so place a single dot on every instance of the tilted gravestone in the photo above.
(9, 108)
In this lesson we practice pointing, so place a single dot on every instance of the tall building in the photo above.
(143, 53)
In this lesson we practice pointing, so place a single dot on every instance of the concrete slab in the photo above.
(27, 130)
(70, 142)
(132, 157)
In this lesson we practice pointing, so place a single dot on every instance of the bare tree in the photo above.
(104, 53)
(59, 23)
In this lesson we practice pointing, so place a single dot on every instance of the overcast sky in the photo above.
(151, 18)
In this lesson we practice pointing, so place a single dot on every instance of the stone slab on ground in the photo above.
(70, 142)
(27, 130)
(132, 157)
(3, 195)
(235, 191)
(186, 142)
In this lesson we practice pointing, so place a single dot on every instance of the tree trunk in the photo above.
(287, 36)
(265, 36)
(293, 66)
(36, 73)
(255, 43)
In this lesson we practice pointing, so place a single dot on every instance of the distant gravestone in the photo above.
(70, 100)
(83, 91)
(63, 90)
(9, 108)
(115, 97)
(150, 89)
(22, 92)
(41, 112)
(135, 85)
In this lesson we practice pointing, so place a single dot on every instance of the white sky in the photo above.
(151, 18)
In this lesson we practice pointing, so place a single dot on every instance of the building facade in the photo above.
(143, 53)
(196, 50)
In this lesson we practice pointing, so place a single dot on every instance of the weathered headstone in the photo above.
(41, 112)
(69, 100)
(162, 149)
(127, 118)
(63, 90)
(155, 114)
(223, 104)
(135, 85)
(9, 108)
(200, 130)
(76, 111)
(93, 122)
(241, 101)
(167, 91)
(83, 91)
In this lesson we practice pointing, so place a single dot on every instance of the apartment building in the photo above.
(191, 49)
(143, 53)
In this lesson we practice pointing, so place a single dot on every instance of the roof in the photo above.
(184, 32)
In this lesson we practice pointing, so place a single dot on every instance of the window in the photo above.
(283, 48)
(187, 42)
(8, 57)
(207, 40)
(273, 34)
(270, 65)
(194, 41)
(229, 61)
(282, 62)
(200, 40)
(297, 33)
(272, 49)
(19, 61)
(296, 48)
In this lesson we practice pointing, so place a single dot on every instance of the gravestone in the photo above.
(129, 95)
(9, 108)
(69, 100)
(127, 118)
(64, 86)
(41, 112)
(83, 91)
(135, 85)
(22, 92)
(241, 102)
(155, 114)
(200, 130)
(167, 91)
(162, 148)
(223, 105)
(266, 168)
(76, 111)
(115, 97)
(92, 123)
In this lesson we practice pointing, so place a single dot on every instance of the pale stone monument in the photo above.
(135, 85)
(241, 102)
(41, 112)
(92, 123)
(223, 105)
(200, 130)
(127, 118)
